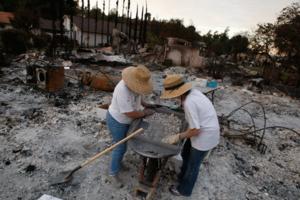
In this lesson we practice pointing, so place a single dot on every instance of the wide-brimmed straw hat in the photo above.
(175, 86)
(138, 79)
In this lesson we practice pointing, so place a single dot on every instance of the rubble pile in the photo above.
(40, 59)
(81, 56)
(90, 56)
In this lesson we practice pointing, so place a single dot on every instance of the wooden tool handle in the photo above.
(111, 147)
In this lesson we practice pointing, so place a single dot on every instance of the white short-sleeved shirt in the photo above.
(200, 114)
(124, 100)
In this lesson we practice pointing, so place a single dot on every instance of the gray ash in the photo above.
(162, 125)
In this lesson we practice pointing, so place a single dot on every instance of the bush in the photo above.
(14, 41)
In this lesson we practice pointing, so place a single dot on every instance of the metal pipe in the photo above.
(117, 13)
(102, 23)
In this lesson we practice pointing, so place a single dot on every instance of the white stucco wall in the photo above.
(88, 39)
(175, 56)
(185, 56)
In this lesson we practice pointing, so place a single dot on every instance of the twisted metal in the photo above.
(252, 129)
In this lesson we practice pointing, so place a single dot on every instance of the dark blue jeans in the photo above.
(118, 132)
(192, 159)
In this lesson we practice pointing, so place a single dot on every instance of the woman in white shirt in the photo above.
(202, 135)
(126, 106)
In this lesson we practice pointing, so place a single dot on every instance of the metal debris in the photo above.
(250, 131)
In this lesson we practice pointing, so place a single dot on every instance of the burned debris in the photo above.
(48, 78)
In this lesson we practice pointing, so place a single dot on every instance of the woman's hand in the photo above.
(171, 139)
(190, 133)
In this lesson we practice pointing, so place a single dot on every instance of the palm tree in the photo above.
(130, 26)
(82, 12)
(141, 27)
(108, 24)
(54, 17)
(116, 19)
(61, 18)
(96, 25)
(147, 15)
(136, 24)
(122, 18)
(88, 32)
(127, 23)
(102, 23)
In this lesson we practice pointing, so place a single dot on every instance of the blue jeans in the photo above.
(118, 132)
(192, 159)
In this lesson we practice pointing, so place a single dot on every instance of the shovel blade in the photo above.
(61, 179)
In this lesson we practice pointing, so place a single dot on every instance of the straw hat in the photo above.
(175, 86)
(138, 79)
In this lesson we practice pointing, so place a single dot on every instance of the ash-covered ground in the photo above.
(42, 135)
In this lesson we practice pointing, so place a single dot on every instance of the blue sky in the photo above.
(238, 15)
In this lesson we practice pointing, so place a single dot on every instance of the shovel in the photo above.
(69, 175)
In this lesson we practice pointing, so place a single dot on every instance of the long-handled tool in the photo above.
(69, 175)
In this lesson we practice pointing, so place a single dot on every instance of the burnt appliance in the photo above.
(48, 78)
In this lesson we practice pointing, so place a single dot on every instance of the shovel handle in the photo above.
(111, 147)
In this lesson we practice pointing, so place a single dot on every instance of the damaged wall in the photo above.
(181, 53)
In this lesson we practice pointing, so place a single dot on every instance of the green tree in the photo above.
(287, 35)
(263, 40)
(216, 43)
(238, 44)
(283, 36)
(173, 28)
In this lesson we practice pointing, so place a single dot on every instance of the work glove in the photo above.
(171, 139)
(148, 112)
